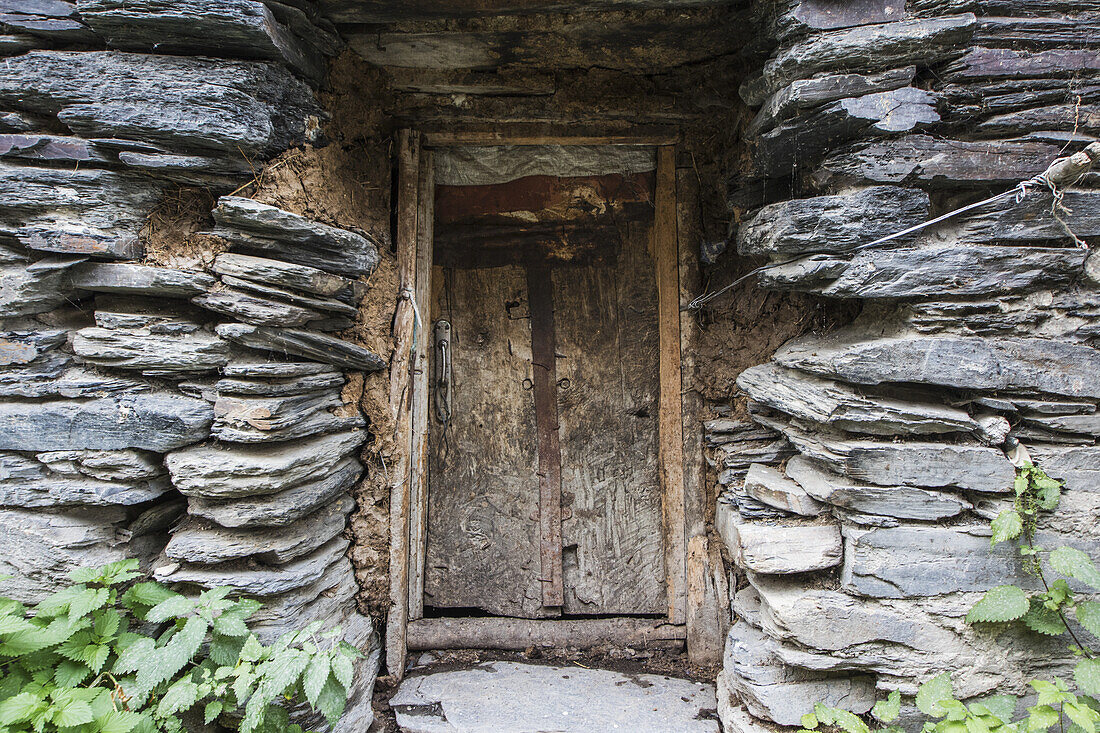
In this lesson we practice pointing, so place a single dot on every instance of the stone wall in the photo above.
(191, 415)
(855, 502)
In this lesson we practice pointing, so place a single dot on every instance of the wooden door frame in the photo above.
(409, 390)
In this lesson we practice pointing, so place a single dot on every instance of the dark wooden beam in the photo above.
(540, 296)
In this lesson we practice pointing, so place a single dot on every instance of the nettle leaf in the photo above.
(180, 697)
(1043, 620)
(21, 707)
(14, 624)
(143, 596)
(334, 697)
(1041, 717)
(315, 677)
(1002, 707)
(932, 693)
(1047, 490)
(888, 710)
(975, 725)
(212, 711)
(134, 656)
(1000, 604)
(171, 658)
(1075, 564)
(70, 673)
(120, 721)
(175, 606)
(1081, 715)
(1007, 526)
(1087, 676)
(1088, 615)
(343, 669)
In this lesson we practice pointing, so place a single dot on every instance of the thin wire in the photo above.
(1019, 191)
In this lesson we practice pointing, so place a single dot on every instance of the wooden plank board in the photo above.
(418, 471)
(518, 634)
(483, 528)
(543, 357)
(441, 139)
(670, 422)
(408, 157)
(606, 322)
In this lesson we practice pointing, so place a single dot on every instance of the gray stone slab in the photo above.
(27, 483)
(303, 343)
(780, 693)
(235, 28)
(333, 305)
(831, 223)
(778, 547)
(843, 407)
(283, 274)
(151, 353)
(39, 547)
(276, 369)
(282, 507)
(281, 387)
(527, 698)
(251, 225)
(220, 472)
(38, 288)
(966, 362)
(152, 421)
(769, 486)
(106, 465)
(903, 502)
(253, 309)
(199, 541)
(24, 345)
(258, 580)
(963, 270)
(870, 48)
(179, 102)
(103, 277)
(55, 376)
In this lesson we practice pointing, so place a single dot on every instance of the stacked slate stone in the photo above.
(124, 385)
(980, 329)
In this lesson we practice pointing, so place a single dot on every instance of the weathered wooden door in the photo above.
(544, 496)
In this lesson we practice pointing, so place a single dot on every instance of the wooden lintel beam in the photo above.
(520, 633)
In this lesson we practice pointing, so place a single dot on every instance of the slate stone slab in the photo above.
(23, 346)
(152, 421)
(27, 483)
(51, 148)
(1010, 63)
(278, 418)
(526, 698)
(38, 548)
(111, 246)
(1011, 364)
(910, 463)
(282, 507)
(198, 541)
(105, 465)
(104, 277)
(303, 343)
(255, 310)
(57, 378)
(276, 369)
(219, 472)
(253, 580)
(871, 48)
(903, 502)
(316, 423)
(175, 101)
(807, 93)
(925, 160)
(151, 353)
(831, 223)
(915, 561)
(234, 28)
(801, 142)
(283, 274)
(769, 486)
(843, 407)
(778, 547)
(333, 305)
(74, 199)
(250, 225)
(782, 694)
(38, 288)
(802, 17)
(281, 387)
(929, 272)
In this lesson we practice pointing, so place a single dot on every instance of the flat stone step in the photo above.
(507, 697)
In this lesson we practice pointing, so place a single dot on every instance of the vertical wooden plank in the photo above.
(408, 176)
(707, 609)
(418, 451)
(670, 424)
(544, 367)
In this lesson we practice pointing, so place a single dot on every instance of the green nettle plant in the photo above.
(108, 656)
(1047, 611)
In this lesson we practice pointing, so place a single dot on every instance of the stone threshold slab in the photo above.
(528, 698)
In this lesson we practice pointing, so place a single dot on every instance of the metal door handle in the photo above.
(443, 387)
